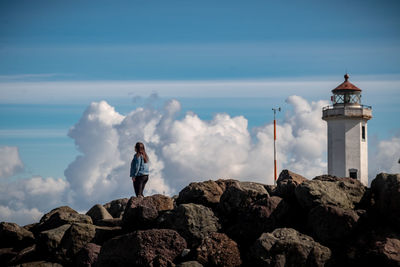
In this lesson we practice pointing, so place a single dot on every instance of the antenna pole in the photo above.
(275, 172)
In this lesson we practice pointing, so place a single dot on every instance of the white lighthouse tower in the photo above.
(347, 132)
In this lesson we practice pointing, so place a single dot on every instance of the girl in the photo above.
(139, 169)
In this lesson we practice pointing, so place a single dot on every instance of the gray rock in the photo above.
(12, 235)
(117, 207)
(49, 241)
(239, 195)
(140, 248)
(385, 190)
(331, 225)
(345, 193)
(192, 221)
(98, 212)
(287, 247)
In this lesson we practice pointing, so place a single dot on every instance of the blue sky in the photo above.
(240, 58)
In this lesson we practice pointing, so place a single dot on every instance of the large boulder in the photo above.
(39, 264)
(141, 213)
(88, 255)
(328, 190)
(375, 247)
(189, 264)
(218, 249)
(288, 247)
(385, 190)
(331, 225)
(287, 183)
(239, 195)
(117, 207)
(98, 212)
(49, 241)
(263, 215)
(140, 248)
(194, 222)
(206, 193)
(60, 216)
(14, 236)
(75, 238)
(25, 255)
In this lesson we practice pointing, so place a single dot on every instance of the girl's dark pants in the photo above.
(139, 183)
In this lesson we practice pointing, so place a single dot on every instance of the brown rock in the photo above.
(110, 222)
(287, 247)
(49, 241)
(218, 249)
(140, 248)
(287, 183)
(117, 207)
(12, 235)
(206, 193)
(189, 264)
(141, 213)
(60, 216)
(39, 264)
(88, 255)
(25, 255)
(98, 212)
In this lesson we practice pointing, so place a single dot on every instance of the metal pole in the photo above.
(275, 171)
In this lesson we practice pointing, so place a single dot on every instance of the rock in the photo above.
(385, 190)
(206, 193)
(117, 207)
(110, 222)
(287, 183)
(375, 248)
(75, 238)
(189, 264)
(49, 241)
(239, 195)
(12, 235)
(88, 255)
(98, 212)
(287, 247)
(6, 254)
(25, 255)
(60, 216)
(331, 225)
(327, 190)
(141, 213)
(192, 221)
(141, 247)
(39, 264)
(218, 249)
(264, 215)
(104, 233)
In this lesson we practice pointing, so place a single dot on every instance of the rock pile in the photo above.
(326, 221)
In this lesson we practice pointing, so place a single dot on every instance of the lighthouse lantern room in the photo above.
(347, 132)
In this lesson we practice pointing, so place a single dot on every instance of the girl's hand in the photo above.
(133, 179)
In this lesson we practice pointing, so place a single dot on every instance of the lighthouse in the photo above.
(347, 132)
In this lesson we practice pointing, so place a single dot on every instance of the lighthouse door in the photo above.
(353, 173)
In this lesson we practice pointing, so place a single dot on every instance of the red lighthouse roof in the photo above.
(346, 85)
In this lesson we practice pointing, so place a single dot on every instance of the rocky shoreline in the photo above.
(326, 221)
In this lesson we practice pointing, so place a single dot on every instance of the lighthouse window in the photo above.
(363, 132)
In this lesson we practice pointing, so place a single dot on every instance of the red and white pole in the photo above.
(275, 171)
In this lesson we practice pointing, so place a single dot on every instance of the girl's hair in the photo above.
(141, 151)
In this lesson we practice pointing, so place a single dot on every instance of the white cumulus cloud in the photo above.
(387, 158)
(10, 162)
